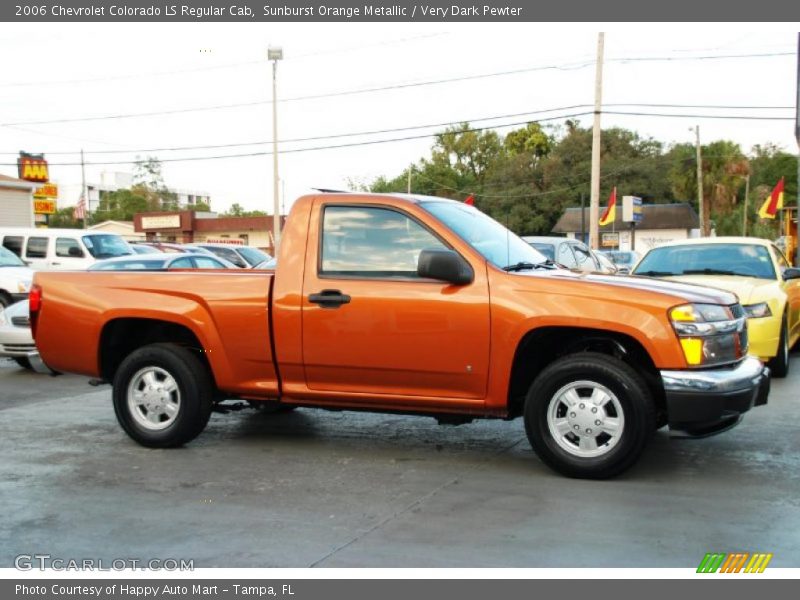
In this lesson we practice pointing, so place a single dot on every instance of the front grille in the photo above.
(17, 348)
(21, 321)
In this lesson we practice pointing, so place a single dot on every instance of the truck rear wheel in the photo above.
(163, 395)
(589, 415)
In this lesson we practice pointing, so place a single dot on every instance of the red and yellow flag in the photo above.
(773, 203)
(610, 214)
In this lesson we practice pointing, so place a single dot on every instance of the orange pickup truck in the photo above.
(415, 305)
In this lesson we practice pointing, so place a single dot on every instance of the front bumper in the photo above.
(709, 401)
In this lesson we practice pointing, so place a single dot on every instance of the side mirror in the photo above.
(444, 265)
(791, 273)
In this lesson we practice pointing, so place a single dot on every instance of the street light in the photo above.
(275, 54)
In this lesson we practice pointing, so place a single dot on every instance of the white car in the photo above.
(15, 278)
(16, 340)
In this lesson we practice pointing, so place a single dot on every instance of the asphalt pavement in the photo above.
(343, 489)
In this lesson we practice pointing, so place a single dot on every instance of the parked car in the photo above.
(411, 304)
(756, 271)
(144, 249)
(244, 257)
(15, 278)
(62, 249)
(16, 340)
(161, 262)
(624, 259)
(607, 266)
(267, 264)
(567, 252)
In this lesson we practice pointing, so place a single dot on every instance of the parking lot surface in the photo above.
(327, 489)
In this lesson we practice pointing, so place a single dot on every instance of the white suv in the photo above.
(15, 278)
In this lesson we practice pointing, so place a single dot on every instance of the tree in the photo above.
(63, 218)
(236, 210)
(148, 182)
(122, 204)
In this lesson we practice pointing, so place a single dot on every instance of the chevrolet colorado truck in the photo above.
(421, 305)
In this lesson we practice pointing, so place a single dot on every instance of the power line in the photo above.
(451, 123)
(391, 87)
(399, 139)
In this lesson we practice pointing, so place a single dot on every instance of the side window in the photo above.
(36, 248)
(68, 247)
(13, 243)
(584, 258)
(206, 262)
(565, 257)
(182, 263)
(372, 242)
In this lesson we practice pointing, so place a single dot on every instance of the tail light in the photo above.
(34, 306)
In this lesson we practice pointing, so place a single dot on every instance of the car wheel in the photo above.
(163, 395)
(23, 362)
(779, 365)
(5, 299)
(589, 415)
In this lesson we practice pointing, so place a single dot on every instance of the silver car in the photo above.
(16, 340)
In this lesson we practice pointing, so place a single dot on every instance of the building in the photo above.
(16, 202)
(122, 228)
(188, 226)
(111, 181)
(661, 223)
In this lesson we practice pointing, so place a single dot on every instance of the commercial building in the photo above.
(16, 202)
(661, 223)
(188, 226)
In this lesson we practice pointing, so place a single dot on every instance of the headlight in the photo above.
(23, 287)
(710, 334)
(758, 311)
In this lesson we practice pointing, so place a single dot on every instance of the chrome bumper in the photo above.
(37, 364)
(710, 401)
(745, 375)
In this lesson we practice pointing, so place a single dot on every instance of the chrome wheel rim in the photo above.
(585, 419)
(154, 399)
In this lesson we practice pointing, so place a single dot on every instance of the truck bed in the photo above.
(226, 311)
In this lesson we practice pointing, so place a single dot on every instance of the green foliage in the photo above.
(63, 219)
(236, 210)
(527, 178)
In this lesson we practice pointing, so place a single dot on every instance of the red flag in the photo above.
(79, 212)
(470, 200)
(610, 214)
(773, 203)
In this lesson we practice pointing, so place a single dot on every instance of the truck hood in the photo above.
(750, 290)
(688, 291)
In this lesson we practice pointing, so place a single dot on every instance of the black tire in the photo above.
(23, 362)
(779, 364)
(193, 383)
(5, 299)
(630, 396)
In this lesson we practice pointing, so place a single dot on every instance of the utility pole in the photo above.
(84, 192)
(408, 189)
(594, 200)
(275, 54)
(746, 200)
(797, 136)
(700, 208)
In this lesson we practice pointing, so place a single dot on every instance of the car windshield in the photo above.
(746, 260)
(140, 264)
(493, 241)
(620, 258)
(253, 255)
(547, 249)
(106, 246)
(9, 259)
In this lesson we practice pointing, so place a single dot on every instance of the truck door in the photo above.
(372, 326)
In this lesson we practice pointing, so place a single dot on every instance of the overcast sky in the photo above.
(69, 71)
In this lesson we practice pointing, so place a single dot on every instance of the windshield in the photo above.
(494, 242)
(747, 260)
(253, 255)
(106, 246)
(9, 259)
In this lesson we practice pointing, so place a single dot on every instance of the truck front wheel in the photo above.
(163, 395)
(589, 415)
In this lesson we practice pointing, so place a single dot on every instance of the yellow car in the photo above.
(756, 271)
